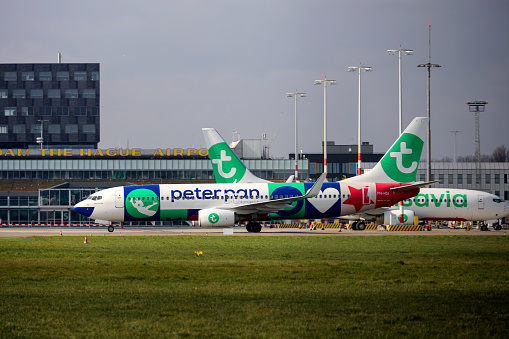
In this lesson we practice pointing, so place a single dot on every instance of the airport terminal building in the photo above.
(61, 102)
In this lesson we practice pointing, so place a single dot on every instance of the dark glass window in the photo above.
(94, 76)
(36, 93)
(3, 94)
(89, 129)
(62, 76)
(80, 110)
(10, 76)
(44, 110)
(80, 76)
(71, 93)
(18, 129)
(54, 129)
(27, 76)
(62, 111)
(18, 93)
(45, 76)
(54, 93)
(10, 111)
(27, 111)
(93, 111)
(35, 129)
(71, 129)
(89, 93)
(3, 129)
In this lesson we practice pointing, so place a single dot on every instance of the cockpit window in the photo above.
(95, 197)
(497, 200)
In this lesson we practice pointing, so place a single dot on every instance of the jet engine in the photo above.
(214, 217)
(392, 217)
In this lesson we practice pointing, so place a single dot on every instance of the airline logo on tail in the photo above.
(228, 168)
(402, 160)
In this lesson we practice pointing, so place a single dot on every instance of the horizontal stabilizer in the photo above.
(413, 186)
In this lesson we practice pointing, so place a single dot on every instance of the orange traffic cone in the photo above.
(86, 241)
(60, 233)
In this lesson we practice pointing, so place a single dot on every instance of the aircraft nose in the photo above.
(83, 210)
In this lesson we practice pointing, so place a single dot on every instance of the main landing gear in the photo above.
(358, 226)
(111, 228)
(253, 227)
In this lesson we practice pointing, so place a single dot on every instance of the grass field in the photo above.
(152, 287)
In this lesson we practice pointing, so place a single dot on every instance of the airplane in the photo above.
(431, 204)
(444, 204)
(244, 197)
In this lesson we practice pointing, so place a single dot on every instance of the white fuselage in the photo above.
(456, 204)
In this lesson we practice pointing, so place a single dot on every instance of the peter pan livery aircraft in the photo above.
(244, 197)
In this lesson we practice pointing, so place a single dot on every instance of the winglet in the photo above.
(317, 187)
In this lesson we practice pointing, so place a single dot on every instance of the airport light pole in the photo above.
(324, 82)
(400, 51)
(40, 139)
(296, 95)
(359, 153)
(429, 65)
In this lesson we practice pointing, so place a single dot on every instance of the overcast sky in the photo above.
(169, 68)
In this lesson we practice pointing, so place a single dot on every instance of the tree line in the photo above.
(500, 154)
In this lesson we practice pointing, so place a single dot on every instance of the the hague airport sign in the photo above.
(105, 153)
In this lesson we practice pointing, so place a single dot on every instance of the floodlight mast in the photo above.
(429, 65)
(400, 51)
(296, 95)
(324, 82)
(476, 107)
(359, 153)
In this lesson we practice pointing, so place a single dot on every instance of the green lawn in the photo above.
(417, 286)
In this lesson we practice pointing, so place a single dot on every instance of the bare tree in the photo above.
(499, 154)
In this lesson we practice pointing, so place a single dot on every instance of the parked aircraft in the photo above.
(252, 199)
(446, 204)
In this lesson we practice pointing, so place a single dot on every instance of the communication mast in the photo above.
(477, 107)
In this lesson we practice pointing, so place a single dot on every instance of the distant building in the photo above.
(341, 160)
(62, 98)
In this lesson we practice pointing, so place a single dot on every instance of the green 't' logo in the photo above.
(213, 218)
(227, 166)
(402, 160)
(142, 203)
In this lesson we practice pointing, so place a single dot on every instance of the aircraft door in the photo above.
(480, 202)
(367, 195)
(119, 198)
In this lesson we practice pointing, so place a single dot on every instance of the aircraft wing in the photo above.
(279, 204)
(413, 186)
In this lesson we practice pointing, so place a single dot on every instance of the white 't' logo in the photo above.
(219, 163)
(399, 159)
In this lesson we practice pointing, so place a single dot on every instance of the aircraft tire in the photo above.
(484, 228)
(111, 228)
(256, 227)
(361, 226)
(354, 226)
(249, 227)
(498, 228)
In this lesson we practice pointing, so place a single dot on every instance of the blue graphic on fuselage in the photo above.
(321, 206)
(286, 191)
(141, 203)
